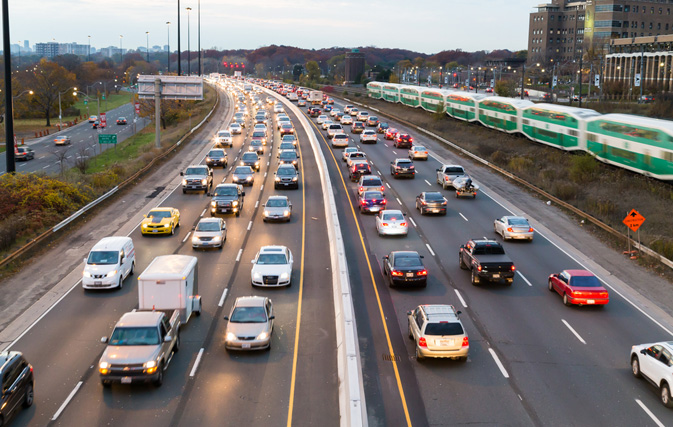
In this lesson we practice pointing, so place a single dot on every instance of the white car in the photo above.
(326, 124)
(353, 111)
(347, 109)
(347, 151)
(209, 233)
(224, 138)
(321, 119)
(333, 129)
(334, 112)
(513, 227)
(418, 152)
(272, 266)
(278, 108)
(362, 116)
(369, 136)
(235, 129)
(340, 140)
(356, 155)
(654, 363)
(346, 120)
(260, 127)
(391, 222)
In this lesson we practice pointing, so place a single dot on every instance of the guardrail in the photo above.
(50, 232)
(573, 209)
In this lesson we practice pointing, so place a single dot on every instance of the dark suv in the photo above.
(17, 384)
(217, 157)
(403, 140)
(227, 198)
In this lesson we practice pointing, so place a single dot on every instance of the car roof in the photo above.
(140, 318)
(251, 301)
(364, 177)
(6, 356)
(210, 220)
(392, 212)
(226, 185)
(272, 249)
(112, 242)
(439, 311)
(286, 166)
(161, 209)
(579, 272)
(278, 197)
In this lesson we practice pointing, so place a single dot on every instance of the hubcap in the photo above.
(664, 395)
(634, 366)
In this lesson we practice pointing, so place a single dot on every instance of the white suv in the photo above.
(654, 362)
(272, 266)
(438, 332)
(369, 136)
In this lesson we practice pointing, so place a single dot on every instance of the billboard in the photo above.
(172, 87)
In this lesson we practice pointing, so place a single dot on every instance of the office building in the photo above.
(355, 65)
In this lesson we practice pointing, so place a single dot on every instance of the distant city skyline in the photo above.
(433, 26)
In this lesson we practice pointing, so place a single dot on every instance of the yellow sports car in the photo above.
(160, 221)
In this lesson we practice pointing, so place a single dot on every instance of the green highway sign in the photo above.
(107, 139)
(86, 102)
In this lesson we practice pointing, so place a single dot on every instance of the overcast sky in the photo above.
(428, 26)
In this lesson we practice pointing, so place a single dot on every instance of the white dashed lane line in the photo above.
(524, 278)
(238, 257)
(426, 181)
(463, 216)
(430, 249)
(648, 412)
(412, 221)
(186, 237)
(499, 363)
(573, 331)
(460, 297)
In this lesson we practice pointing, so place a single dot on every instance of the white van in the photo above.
(110, 261)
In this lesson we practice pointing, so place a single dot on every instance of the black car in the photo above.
(358, 169)
(286, 177)
(17, 384)
(217, 157)
(405, 268)
(402, 167)
(227, 198)
(250, 159)
(289, 157)
(121, 121)
(372, 201)
(431, 202)
(382, 128)
(403, 140)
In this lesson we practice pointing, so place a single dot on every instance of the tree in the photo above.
(313, 70)
(297, 71)
(505, 88)
(393, 78)
(47, 80)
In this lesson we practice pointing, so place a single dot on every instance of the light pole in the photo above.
(147, 33)
(121, 51)
(189, 52)
(7, 56)
(440, 77)
(168, 59)
(60, 124)
(89, 52)
(179, 66)
(199, 10)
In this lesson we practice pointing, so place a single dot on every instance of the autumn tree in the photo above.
(47, 80)
(313, 70)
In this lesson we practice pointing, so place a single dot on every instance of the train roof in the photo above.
(518, 103)
(583, 113)
(474, 96)
(665, 125)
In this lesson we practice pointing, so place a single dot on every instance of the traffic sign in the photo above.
(86, 102)
(636, 81)
(554, 81)
(137, 107)
(634, 220)
(597, 80)
(103, 120)
(108, 138)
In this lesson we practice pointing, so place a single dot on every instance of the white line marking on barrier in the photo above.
(238, 257)
(460, 297)
(503, 371)
(394, 152)
(398, 200)
(256, 204)
(412, 221)
(186, 237)
(430, 249)
(67, 400)
(463, 216)
(524, 278)
(648, 412)
(379, 172)
(388, 185)
(196, 363)
(261, 188)
(224, 295)
(573, 331)
(264, 174)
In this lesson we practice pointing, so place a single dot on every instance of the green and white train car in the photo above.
(411, 96)
(498, 112)
(463, 105)
(374, 90)
(640, 144)
(391, 92)
(557, 125)
(431, 98)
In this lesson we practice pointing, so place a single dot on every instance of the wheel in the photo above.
(419, 356)
(106, 384)
(665, 395)
(133, 268)
(635, 366)
(176, 347)
(444, 185)
(565, 300)
(475, 278)
(119, 285)
(172, 229)
(178, 223)
(27, 398)
(238, 213)
(461, 263)
(160, 377)
(184, 191)
(411, 336)
(462, 359)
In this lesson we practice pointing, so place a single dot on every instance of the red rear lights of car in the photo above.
(404, 224)
(530, 229)
(396, 273)
(479, 268)
(422, 342)
(603, 294)
(466, 342)
(384, 201)
(423, 272)
(513, 268)
(362, 189)
(510, 229)
(382, 188)
(384, 224)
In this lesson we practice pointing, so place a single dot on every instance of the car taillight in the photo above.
(530, 229)
(510, 229)
(604, 294)
(423, 202)
(395, 273)
(513, 268)
(422, 342)
(385, 224)
(479, 268)
(364, 202)
(362, 189)
(423, 273)
(404, 224)
(466, 342)
(384, 201)
(382, 188)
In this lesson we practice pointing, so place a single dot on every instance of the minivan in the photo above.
(110, 261)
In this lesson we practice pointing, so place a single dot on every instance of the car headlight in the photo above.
(150, 364)
(256, 163)
(263, 336)
(248, 178)
(266, 213)
(217, 239)
(242, 164)
(294, 162)
(257, 275)
(286, 213)
(284, 276)
(294, 179)
(86, 274)
(204, 181)
(213, 204)
(111, 273)
(104, 365)
(166, 225)
(229, 336)
(235, 178)
(234, 203)
(184, 182)
(277, 178)
(207, 158)
(195, 239)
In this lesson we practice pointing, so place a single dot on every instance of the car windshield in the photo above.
(276, 203)
(272, 259)
(288, 138)
(408, 261)
(489, 250)
(224, 134)
(419, 148)
(196, 171)
(286, 126)
(373, 195)
(434, 197)
(248, 315)
(392, 217)
(585, 282)
(135, 336)
(357, 154)
(102, 257)
(208, 226)
(216, 153)
(518, 221)
(226, 191)
(286, 146)
(287, 171)
(243, 170)
(448, 328)
(159, 214)
(256, 143)
(249, 156)
(258, 134)
(340, 136)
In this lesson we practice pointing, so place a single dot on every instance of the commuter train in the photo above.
(639, 144)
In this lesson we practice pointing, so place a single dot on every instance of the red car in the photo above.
(489, 90)
(391, 133)
(403, 140)
(579, 287)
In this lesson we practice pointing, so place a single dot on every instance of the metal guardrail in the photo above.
(16, 254)
(603, 226)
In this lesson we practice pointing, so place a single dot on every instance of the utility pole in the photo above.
(89, 59)
(523, 73)
(179, 66)
(147, 33)
(600, 88)
(642, 76)
(157, 112)
(168, 58)
(580, 98)
(9, 113)
(189, 49)
(199, 12)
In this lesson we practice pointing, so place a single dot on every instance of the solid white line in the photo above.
(648, 412)
(524, 278)
(186, 237)
(48, 166)
(256, 204)
(204, 212)
(224, 295)
(67, 400)
(460, 297)
(412, 221)
(426, 181)
(497, 362)
(573, 331)
(238, 257)
(388, 185)
(249, 225)
(196, 363)
(462, 216)
(398, 200)
(430, 249)
(261, 188)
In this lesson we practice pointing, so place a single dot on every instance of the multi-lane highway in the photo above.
(84, 141)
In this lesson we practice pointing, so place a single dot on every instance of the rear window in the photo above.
(372, 182)
(585, 282)
(489, 250)
(404, 162)
(454, 170)
(408, 261)
(440, 329)
(518, 221)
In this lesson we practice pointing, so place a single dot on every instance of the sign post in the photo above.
(633, 221)
(103, 120)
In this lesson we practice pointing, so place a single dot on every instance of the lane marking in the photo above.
(460, 297)
(67, 400)
(56, 164)
(224, 295)
(426, 181)
(186, 237)
(463, 216)
(573, 331)
(503, 371)
(267, 163)
(249, 225)
(204, 212)
(238, 257)
(261, 188)
(430, 249)
(256, 204)
(264, 174)
(196, 363)
(394, 152)
(648, 412)
(379, 172)
(398, 201)
(412, 221)
(524, 278)
(388, 185)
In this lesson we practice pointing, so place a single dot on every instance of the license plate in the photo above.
(98, 282)
(246, 345)
(590, 301)
(435, 211)
(155, 231)
(410, 274)
(496, 276)
(126, 380)
(447, 343)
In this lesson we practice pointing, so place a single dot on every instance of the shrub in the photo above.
(564, 191)
(664, 246)
(499, 158)
(583, 168)
(520, 164)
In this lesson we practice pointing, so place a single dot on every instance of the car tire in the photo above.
(444, 186)
(106, 383)
(121, 283)
(665, 395)
(176, 347)
(419, 356)
(550, 286)
(133, 268)
(184, 191)
(238, 213)
(635, 367)
(172, 230)
(160, 379)
(566, 301)
(28, 397)
(474, 278)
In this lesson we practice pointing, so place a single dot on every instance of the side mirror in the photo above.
(209, 194)
(252, 261)
(385, 257)
(263, 205)
(409, 313)
(226, 317)
(144, 216)
(439, 170)
(168, 338)
(103, 340)
(421, 256)
(182, 174)
(643, 351)
(459, 312)
(84, 260)
(272, 317)
(462, 246)
(224, 226)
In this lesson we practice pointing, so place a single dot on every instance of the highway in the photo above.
(294, 383)
(533, 361)
(84, 139)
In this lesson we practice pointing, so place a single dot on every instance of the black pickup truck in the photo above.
(487, 261)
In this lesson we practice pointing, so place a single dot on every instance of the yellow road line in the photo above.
(371, 274)
(301, 290)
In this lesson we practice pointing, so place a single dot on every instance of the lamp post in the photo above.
(199, 20)
(189, 52)
(89, 52)
(147, 33)
(7, 56)
(60, 124)
(121, 51)
(168, 45)
(440, 77)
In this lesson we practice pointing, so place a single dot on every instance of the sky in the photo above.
(427, 26)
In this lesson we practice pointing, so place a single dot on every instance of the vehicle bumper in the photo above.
(278, 284)
(434, 210)
(405, 173)
(216, 163)
(281, 184)
(207, 244)
(144, 378)
(411, 281)
(419, 156)
(394, 231)
(373, 208)
(194, 187)
(519, 236)
(162, 230)
(495, 277)
(223, 209)
(247, 344)
(588, 301)
(104, 283)
(463, 352)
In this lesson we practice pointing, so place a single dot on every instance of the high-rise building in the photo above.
(47, 50)
(355, 65)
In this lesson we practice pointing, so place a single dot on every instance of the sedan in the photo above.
(250, 159)
(62, 140)
(654, 362)
(391, 134)
(286, 129)
(235, 129)
(358, 127)
(513, 227)
(160, 221)
(371, 201)
(346, 120)
(272, 266)
(579, 287)
(402, 167)
(326, 124)
(243, 175)
(353, 111)
(405, 268)
(372, 121)
(334, 112)
(277, 208)
(390, 222)
(24, 153)
(289, 157)
(217, 157)
(403, 140)
(289, 138)
(250, 324)
(382, 128)
(369, 136)
(121, 121)
(418, 152)
(431, 202)
(321, 119)
(93, 119)
(209, 233)
(257, 146)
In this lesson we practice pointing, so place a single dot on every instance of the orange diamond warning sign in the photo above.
(634, 220)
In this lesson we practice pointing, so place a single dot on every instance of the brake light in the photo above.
(422, 342)
(466, 342)
(510, 229)
(530, 229)
(384, 224)
(604, 294)
(513, 268)
(362, 189)
(423, 202)
(384, 201)
(364, 202)
(404, 224)
(423, 273)
(479, 268)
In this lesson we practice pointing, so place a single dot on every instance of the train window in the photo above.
(592, 137)
(514, 119)
(572, 132)
(667, 155)
(525, 122)
(624, 154)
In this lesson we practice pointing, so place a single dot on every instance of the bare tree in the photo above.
(82, 160)
(61, 158)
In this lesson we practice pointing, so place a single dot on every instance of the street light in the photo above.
(60, 124)
(199, 32)
(440, 77)
(121, 51)
(147, 33)
(168, 59)
(189, 53)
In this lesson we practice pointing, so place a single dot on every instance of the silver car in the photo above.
(391, 222)
(243, 175)
(437, 332)
(277, 208)
(209, 233)
(347, 151)
(250, 324)
(513, 227)
(418, 152)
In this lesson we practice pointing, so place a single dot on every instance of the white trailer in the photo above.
(170, 282)
(315, 97)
